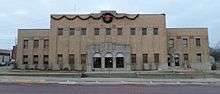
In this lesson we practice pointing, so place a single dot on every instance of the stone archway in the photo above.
(108, 60)
(97, 60)
(119, 60)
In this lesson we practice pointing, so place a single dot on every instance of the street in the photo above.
(21, 88)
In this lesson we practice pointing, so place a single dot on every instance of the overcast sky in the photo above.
(16, 14)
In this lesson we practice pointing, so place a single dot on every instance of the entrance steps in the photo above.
(112, 74)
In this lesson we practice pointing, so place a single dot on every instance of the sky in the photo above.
(16, 14)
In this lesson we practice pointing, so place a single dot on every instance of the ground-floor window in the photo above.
(108, 62)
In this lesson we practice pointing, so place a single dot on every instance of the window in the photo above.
(155, 31)
(144, 31)
(60, 31)
(156, 58)
(132, 31)
(25, 44)
(97, 60)
(185, 42)
(133, 58)
(198, 42)
(25, 59)
(36, 43)
(83, 31)
(35, 59)
(60, 58)
(171, 43)
(108, 31)
(46, 43)
(185, 57)
(83, 58)
(119, 61)
(145, 58)
(96, 31)
(71, 61)
(119, 31)
(199, 57)
(46, 59)
(72, 31)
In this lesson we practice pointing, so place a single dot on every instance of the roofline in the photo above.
(188, 28)
(33, 29)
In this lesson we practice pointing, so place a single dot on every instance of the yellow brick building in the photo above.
(112, 41)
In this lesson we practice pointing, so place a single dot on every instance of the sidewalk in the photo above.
(112, 81)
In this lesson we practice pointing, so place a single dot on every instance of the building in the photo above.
(112, 41)
(4, 57)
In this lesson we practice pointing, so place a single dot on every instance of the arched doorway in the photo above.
(97, 61)
(119, 60)
(108, 60)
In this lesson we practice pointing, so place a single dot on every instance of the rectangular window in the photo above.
(46, 43)
(145, 58)
(60, 31)
(35, 59)
(133, 58)
(36, 43)
(144, 31)
(96, 31)
(83, 58)
(108, 31)
(25, 59)
(198, 42)
(72, 31)
(71, 58)
(171, 43)
(83, 31)
(46, 59)
(186, 57)
(119, 31)
(199, 57)
(185, 42)
(132, 31)
(59, 58)
(25, 44)
(155, 31)
(156, 58)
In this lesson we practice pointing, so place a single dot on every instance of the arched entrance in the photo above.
(119, 60)
(108, 60)
(97, 60)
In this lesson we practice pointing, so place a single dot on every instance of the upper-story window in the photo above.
(60, 31)
(108, 31)
(25, 44)
(72, 31)
(36, 43)
(171, 43)
(185, 42)
(119, 31)
(132, 31)
(96, 31)
(83, 31)
(46, 43)
(144, 31)
(198, 42)
(155, 31)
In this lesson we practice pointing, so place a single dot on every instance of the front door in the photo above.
(108, 62)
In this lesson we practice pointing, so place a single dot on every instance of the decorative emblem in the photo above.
(107, 17)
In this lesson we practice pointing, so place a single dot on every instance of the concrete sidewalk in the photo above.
(90, 81)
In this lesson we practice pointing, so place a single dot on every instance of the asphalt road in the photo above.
(11, 88)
